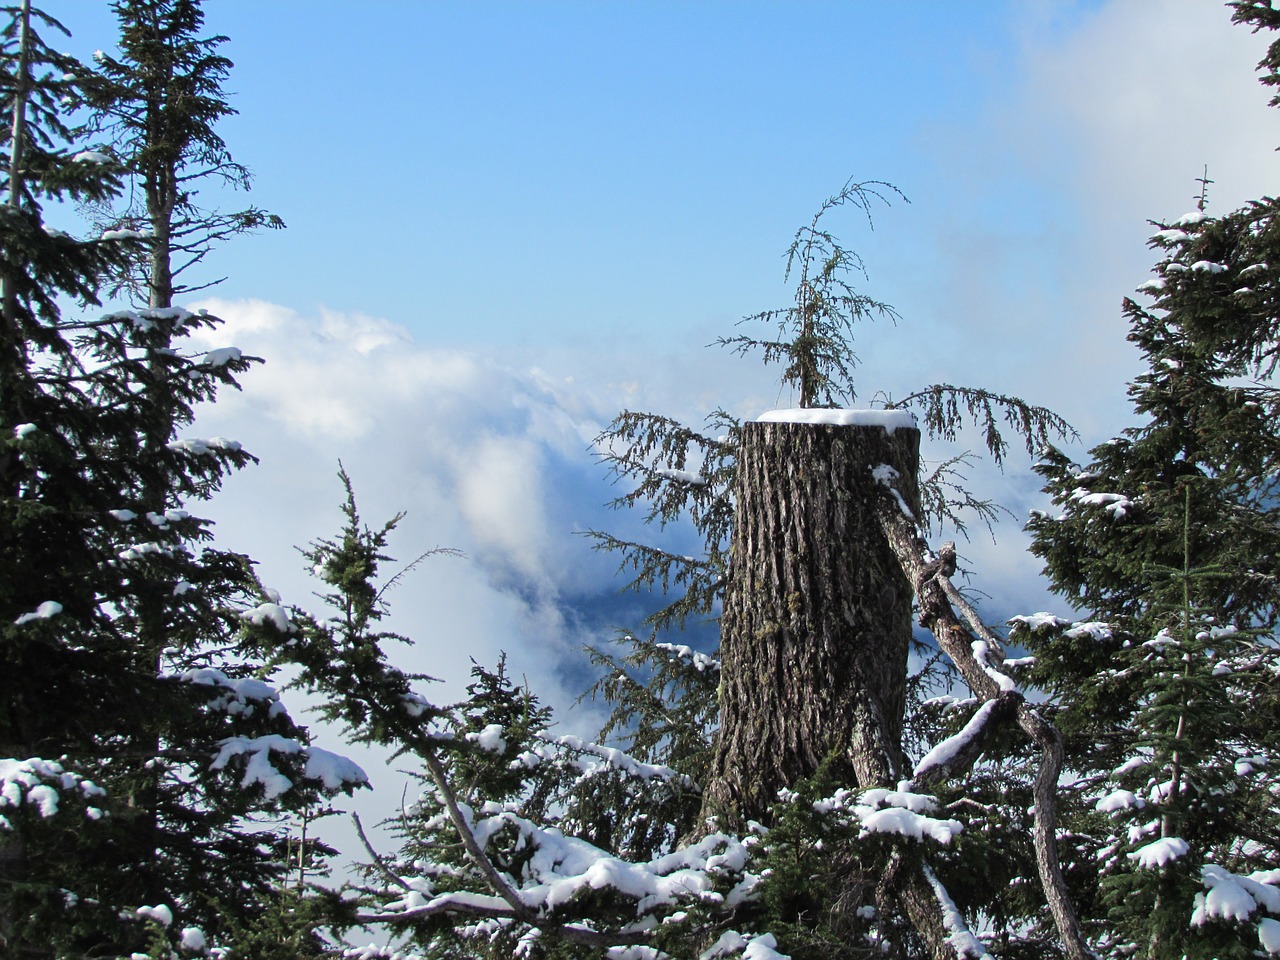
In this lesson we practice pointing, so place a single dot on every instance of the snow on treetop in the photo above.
(1038, 621)
(1118, 801)
(333, 771)
(490, 738)
(761, 947)
(193, 939)
(1117, 504)
(890, 420)
(203, 447)
(880, 810)
(683, 476)
(220, 357)
(1194, 218)
(137, 551)
(915, 802)
(904, 823)
(271, 613)
(1090, 628)
(1233, 897)
(181, 314)
(416, 705)
(159, 913)
(634, 951)
(374, 951)
(238, 692)
(699, 661)
(1269, 934)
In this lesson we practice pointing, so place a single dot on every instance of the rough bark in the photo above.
(817, 615)
(13, 850)
(17, 141)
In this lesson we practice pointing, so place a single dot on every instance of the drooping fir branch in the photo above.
(655, 454)
(664, 699)
(947, 409)
(946, 499)
(675, 473)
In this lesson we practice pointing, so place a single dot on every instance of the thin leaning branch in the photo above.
(520, 910)
(965, 639)
(375, 858)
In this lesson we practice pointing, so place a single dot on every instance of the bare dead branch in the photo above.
(376, 857)
(938, 600)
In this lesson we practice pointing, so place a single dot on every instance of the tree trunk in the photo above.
(13, 849)
(817, 615)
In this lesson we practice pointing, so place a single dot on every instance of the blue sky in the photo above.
(498, 174)
(509, 221)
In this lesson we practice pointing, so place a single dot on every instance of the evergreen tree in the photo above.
(140, 830)
(523, 842)
(1166, 541)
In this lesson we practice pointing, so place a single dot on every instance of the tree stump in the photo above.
(817, 613)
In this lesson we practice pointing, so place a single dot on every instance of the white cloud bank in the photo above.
(487, 459)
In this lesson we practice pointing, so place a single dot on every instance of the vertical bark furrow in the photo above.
(817, 617)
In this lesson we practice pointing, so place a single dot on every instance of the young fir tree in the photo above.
(1167, 541)
(158, 105)
(132, 772)
(677, 473)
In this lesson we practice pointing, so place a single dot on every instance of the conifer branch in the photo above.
(946, 409)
